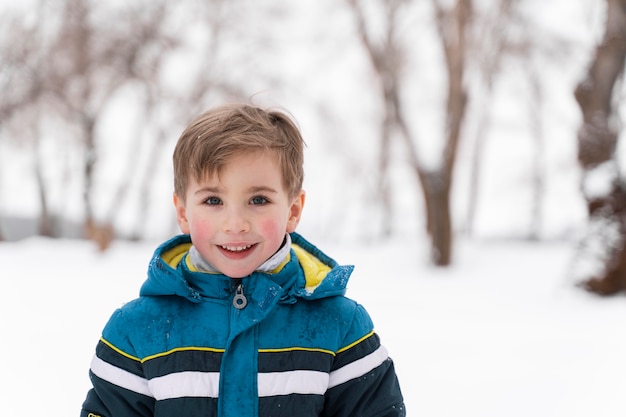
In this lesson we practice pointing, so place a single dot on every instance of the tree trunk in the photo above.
(46, 226)
(597, 140)
(438, 221)
(384, 186)
(538, 161)
(452, 31)
(88, 168)
(386, 59)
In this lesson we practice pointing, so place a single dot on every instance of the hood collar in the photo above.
(308, 273)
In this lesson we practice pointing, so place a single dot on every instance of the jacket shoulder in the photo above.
(358, 323)
(330, 324)
(140, 323)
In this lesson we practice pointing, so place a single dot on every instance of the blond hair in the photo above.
(218, 135)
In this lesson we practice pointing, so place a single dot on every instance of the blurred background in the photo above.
(465, 155)
(440, 120)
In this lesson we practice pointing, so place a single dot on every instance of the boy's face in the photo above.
(238, 220)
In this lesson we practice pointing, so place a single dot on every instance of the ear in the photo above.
(295, 212)
(181, 214)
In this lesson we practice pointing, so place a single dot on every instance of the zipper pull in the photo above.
(239, 300)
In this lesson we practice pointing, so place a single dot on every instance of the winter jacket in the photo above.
(286, 343)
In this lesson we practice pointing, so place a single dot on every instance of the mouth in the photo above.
(236, 248)
(236, 252)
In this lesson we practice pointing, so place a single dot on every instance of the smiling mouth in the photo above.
(236, 249)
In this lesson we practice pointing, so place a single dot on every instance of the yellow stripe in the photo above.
(329, 352)
(356, 343)
(121, 352)
(147, 358)
(208, 349)
(182, 349)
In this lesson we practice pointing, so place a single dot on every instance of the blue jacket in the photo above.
(286, 343)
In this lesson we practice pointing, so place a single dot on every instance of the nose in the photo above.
(235, 221)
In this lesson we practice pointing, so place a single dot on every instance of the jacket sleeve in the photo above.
(120, 388)
(363, 381)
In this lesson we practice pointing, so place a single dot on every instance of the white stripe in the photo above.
(206, 384)
(119, 377)
(186, 384)
(292, 382)
(358, 368)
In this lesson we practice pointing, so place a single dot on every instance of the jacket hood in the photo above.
(307, 273)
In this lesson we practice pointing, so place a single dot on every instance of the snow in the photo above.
(504, 332)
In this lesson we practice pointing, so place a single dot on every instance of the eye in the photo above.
(258, 200)
(213, 201)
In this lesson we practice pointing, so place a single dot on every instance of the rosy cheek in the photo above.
(270, 228)
(201, 230)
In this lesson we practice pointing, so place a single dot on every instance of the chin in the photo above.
(237, 274)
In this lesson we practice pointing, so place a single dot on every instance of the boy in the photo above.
(241, 316)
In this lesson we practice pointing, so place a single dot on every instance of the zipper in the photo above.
(239, 300)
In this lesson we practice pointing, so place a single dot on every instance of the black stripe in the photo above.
(107, 354)
(180, 361)
(206, 407)
(362, 349)
(107, 399)
(300, 405)
(375, 394)
(294, 360)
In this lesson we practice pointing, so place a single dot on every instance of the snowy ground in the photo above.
(502, 334)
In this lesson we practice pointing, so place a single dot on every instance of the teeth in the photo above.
(236, 248)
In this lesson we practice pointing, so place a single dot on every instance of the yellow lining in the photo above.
(356, 343)
(173, 256)
(314, 269)
(191, 267)
(281, 265)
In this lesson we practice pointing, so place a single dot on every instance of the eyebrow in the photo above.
(262, 188)
(253, 189)
(208, 190)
